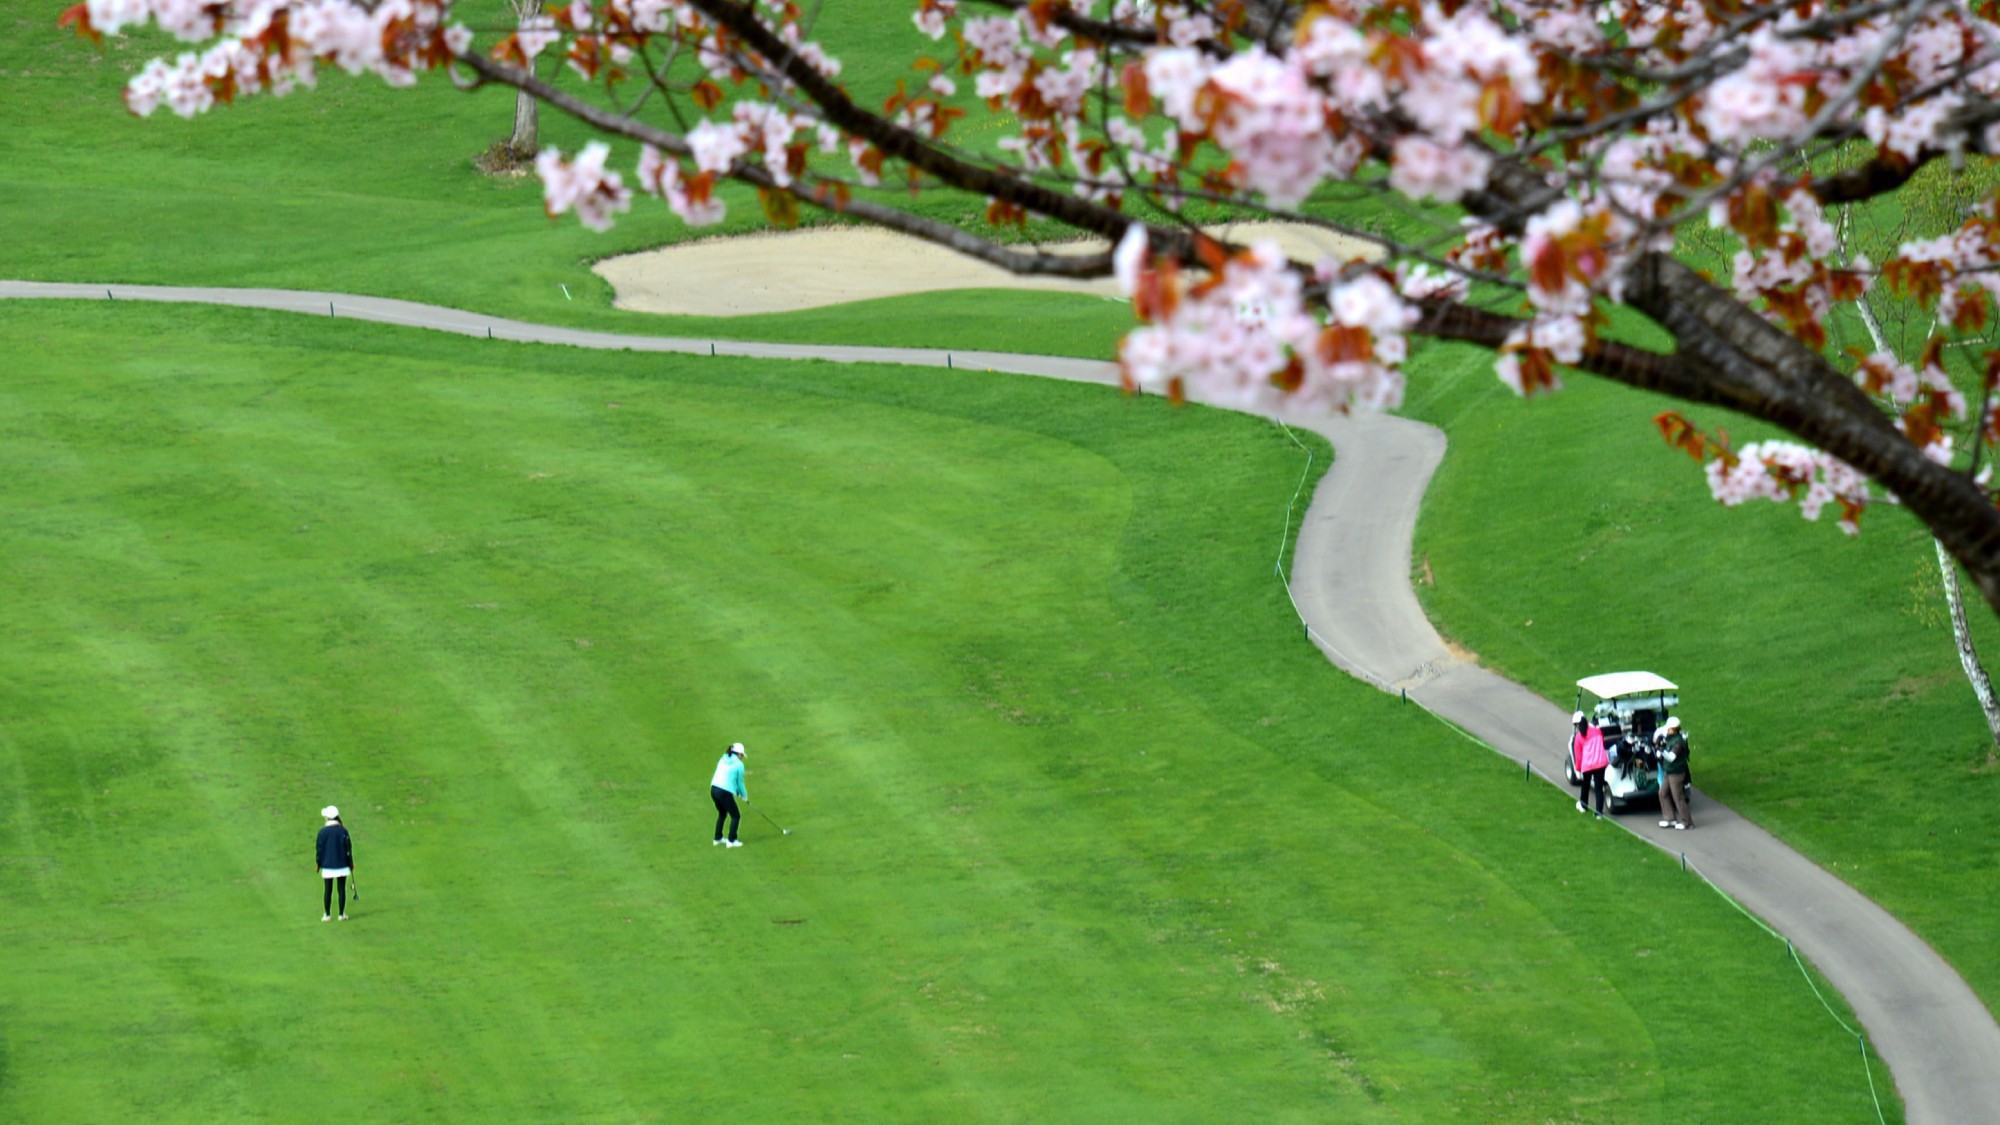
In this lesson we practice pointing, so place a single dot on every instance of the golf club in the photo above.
(781, 828)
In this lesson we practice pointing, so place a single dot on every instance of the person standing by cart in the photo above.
(1674, 777)
(1588, 759)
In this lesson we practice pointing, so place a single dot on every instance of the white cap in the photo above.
(330, 813)
(1674, 723)
(736, 748)
(1576, 718)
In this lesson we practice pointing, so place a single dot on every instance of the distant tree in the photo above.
(525, 141)
(1578, 138)
(1934, 202)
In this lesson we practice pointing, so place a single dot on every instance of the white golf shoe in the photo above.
(326, 917)
(735, 843)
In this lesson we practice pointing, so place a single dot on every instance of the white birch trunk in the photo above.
(526, 119)
(1968, 656)
(527, 111)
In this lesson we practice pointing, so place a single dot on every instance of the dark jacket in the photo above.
(1674, 753)
(333, 847)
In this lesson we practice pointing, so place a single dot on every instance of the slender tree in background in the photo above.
(1931, 204)
(525, 141)
(1548, 157)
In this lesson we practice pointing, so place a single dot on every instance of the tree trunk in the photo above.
(526, 118)
(526, 141)
(1968, 656)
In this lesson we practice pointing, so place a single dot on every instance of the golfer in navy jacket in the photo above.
(334, 852)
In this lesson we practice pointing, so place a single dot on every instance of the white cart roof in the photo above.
(1611, 685)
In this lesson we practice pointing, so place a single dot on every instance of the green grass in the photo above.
(359, 188)
(1819, 674)
(427, 649)
(1083, 830)
(355, 187)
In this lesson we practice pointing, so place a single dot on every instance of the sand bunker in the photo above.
(790, 270)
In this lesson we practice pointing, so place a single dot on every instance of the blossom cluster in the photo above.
(273, 46)
(1788, 472)
(1246, 337)
(583, 185)
(1579, 134)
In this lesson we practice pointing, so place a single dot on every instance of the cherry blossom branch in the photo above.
(1100, 31)
(1863, 75)
(1031, 264)
(840, 110)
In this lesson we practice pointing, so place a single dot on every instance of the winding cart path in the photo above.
(1350, 580)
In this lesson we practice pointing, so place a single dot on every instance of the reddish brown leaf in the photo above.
(1210, 253)
(1002, 213)
(1290, 377)
(1753, 212)
(1933, 353)
(1138, 98)
(1682, 434)
(1920, 424)
(1973, 311)
(1920, 281)
(1538, 371)
(509, 51)
(780, 206)
(1341, 343)
(1549, 270)
(1500, 107)
(585, 53)
(1159, 290)
(79, 18)
(1399, 57)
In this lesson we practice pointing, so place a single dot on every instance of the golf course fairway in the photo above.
(1082, 827)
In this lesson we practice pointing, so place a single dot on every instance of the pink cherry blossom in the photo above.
(582, 186)
(1785, 471)
(715, 146)
(1580, 135)
(1424, 169)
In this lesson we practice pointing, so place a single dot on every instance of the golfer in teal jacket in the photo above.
(725, 789)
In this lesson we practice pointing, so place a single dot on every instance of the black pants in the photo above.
(1594, 778)
(725, 809)
(326, 900)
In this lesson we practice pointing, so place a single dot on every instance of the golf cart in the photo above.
(1628, 707)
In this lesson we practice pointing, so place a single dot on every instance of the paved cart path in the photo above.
(1351, 582)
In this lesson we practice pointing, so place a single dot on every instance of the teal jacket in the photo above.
(729, 775)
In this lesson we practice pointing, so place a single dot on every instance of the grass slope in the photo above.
(360, 188)
(1083, 830)
(1820, 677)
